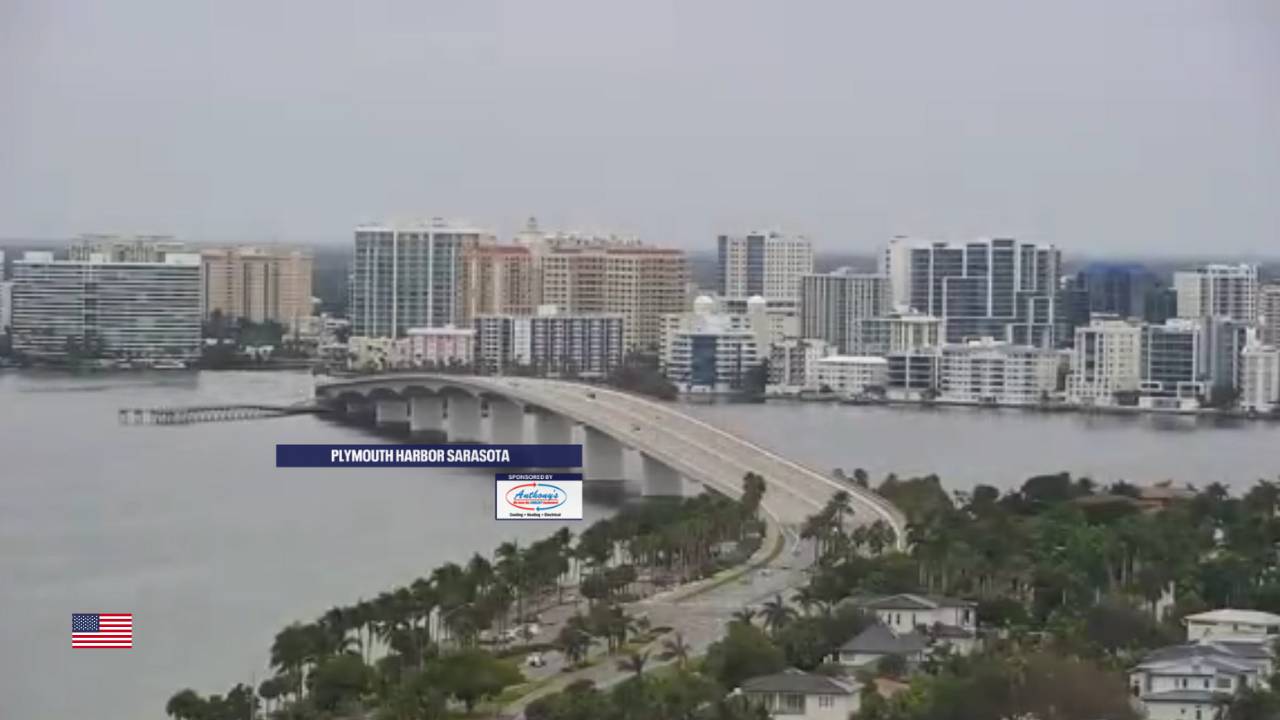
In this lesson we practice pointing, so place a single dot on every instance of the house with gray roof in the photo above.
(797, 695)
(942, 619)
(1192, 681)
(879, 641)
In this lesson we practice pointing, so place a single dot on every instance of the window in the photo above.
(826, 701)
(1224, 683)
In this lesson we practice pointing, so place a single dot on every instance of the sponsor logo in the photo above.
(536, 497)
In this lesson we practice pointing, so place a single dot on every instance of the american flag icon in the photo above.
(101, 630)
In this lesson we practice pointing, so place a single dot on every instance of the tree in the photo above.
(185, 705)
(634, 663)
(1252, 704)
(776, 614)
(893, 666)
(417, 697)
(471, 675)
(675, 648)
(744, 652)
(340, 681)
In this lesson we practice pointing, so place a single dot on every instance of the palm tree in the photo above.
(291, 651)
(675, 648)
(634, 662)
(744, 616)
(776, 614)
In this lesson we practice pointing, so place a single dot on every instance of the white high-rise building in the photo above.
(1260, 377)
(989, 372)
(550, 343)
(408, 276)
(991, 287)
(765, 263)
(1107, 359)
(832, 304)
(99, 308)
(707, 351)
(1218, 291)
(792, 364)
(6, 305)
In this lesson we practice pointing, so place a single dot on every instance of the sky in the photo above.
(1122, 128)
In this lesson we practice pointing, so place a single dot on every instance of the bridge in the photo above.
(623, 436)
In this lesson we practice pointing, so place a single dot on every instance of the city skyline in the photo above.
(1133, 130)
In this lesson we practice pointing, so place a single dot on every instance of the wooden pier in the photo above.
(192, 414)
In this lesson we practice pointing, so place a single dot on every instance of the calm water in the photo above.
(196, 532)
(1004, 447)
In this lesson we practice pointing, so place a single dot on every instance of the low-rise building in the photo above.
(1229, 623)
(940, 617)
(1194, 680)
(850, 375)
(797, 695)
(878, 642)
(550, 343)
(435, 347)
(791, 364)
(913, 374)
(989, 372)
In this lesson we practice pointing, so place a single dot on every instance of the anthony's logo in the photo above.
(536, 497)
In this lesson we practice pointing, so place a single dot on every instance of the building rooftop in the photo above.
(792, 680)
(878, 639)
(913, 601)
(853, 360)
(1230, 615)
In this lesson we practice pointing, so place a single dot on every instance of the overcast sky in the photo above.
(1141, 126)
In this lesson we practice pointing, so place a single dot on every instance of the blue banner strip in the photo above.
(500, 456)
(538, 476)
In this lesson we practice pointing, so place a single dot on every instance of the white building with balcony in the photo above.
(796, 695)
(1106, 360)
(850, 375)
(707, 351)
(989, 372)
(1260, 378)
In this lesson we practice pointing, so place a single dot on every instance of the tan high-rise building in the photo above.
(639, 282)
(257, 284)
(496, 280)
(1269, 312)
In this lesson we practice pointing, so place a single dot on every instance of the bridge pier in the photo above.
(605, 457)
(390, 411)
(361, 408)
(552, 429)
(506, 422)
(426, 414)
(659, 477)
(463, 412)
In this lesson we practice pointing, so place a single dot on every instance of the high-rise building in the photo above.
(999, 287)
(1173, 362)
(97, 308)
(408, 276)
(765, 263)
(124, 248)
(989, 372)
(1106, 362)
(1218, 291)
(497, 280)
(638, 282)
(832, 304)
(1269, 312)
(257, 284)
(711, 351)
(6, 305)
(1260, 377)
(550, 343)
(1120, 289)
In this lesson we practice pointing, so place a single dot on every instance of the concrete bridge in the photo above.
(623, 436)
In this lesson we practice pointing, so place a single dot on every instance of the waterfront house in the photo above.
(797, 695)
